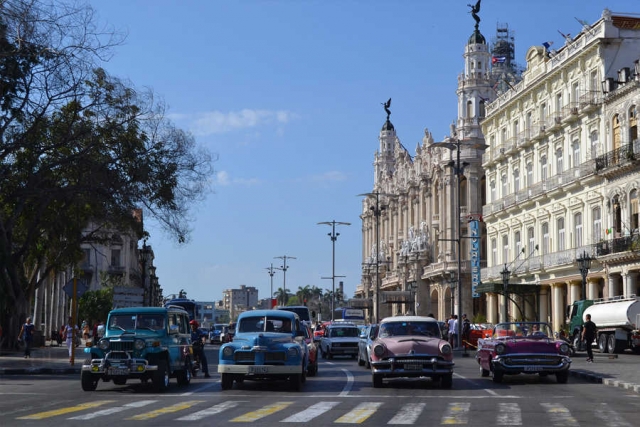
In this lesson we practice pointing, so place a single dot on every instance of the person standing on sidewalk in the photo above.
(588, 335)
(26, 334)
(70, 333)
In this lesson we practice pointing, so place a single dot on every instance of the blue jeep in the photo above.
(144, 343)
(268, 345)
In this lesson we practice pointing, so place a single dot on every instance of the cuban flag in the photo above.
(498, 59)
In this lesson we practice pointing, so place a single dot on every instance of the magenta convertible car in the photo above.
(523, 348)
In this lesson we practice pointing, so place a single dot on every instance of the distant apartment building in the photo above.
(239, 300)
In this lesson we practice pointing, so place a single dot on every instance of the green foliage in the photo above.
(479, 318)
(94, 306)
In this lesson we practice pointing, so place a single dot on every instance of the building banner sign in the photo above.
(474, 229)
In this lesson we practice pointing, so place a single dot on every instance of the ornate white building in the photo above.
(562, 178)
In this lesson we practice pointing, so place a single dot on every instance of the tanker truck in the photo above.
(617, 320)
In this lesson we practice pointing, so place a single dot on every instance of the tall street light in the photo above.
(284, 269)
(271, 272)
(584, 262)
(334, 236)
(458, 170)
(144, 258)
(377, 211)
(505, 284)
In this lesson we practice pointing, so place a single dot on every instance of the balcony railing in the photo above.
(619, 157)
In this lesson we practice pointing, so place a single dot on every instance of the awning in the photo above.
(513, 288)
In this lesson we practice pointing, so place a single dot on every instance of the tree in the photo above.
(95, 305)
(281, 296)
(304, 294)
(78, 147)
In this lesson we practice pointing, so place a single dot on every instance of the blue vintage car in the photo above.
(268, 345)
(144, 343)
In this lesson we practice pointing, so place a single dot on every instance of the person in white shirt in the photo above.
(69, 333)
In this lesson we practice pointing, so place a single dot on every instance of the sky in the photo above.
(287, 95)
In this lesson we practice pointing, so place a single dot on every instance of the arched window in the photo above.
(633, 200)
(529, 174)
(469, 109)
(543, 167)
(505, 248)
(577, 230)
(516, 237)
(545, 238)
(559, 161)
(482, 111)
(494, 252)
(516, 180)
(561, 234)
(576, 154)
(494, 196)
(505, 185)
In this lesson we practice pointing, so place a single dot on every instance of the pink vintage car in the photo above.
(411, 346)
(523, 348)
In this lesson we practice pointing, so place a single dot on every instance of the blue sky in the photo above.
(287, 94)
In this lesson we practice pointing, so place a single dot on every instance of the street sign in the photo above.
(81, 288)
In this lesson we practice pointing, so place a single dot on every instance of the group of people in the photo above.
(453, 330)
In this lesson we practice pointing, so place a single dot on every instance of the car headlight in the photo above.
(139, 344)
(228, 351)
(293, 352)
(501, 348)
(564, 349)
(378, 350)
(103, 344)
(445, 349)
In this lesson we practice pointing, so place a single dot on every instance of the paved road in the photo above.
(341, 394)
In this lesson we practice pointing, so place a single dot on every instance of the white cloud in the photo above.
(223, 180)
(215, 122)
(330, 176)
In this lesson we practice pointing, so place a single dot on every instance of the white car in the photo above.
(340, 339)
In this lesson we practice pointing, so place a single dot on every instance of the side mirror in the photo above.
(363, 335)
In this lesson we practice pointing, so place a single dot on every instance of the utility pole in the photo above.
(271, 272)
(334, 236)
(284, 269)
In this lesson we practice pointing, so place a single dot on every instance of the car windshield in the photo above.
(302, 312)
(264, 324)
(394, 329)
(522, 330)
(340, 332)
(124, 322)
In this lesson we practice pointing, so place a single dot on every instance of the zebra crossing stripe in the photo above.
(610, 417)
(114, 410)
(408, 414)
(62, 411)
(261, 413)
(560, 416)
(210, 411)
(169, 409)
(311, 412)
(456, 413)
(360, 413)
(509, 414)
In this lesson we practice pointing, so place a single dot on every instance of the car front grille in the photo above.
(121, 346)
(540, 360)
(248, 356)
(344, 345)
(243, 356)
(274, 357)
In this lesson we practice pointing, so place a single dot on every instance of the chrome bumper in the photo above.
(260, 370)
(421, 367)
(508, 364)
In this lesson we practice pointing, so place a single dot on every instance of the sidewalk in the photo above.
(45, 360)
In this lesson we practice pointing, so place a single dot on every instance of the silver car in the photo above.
(364, 346)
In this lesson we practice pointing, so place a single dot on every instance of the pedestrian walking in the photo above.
(452, 330)
(588, 335)
(70, 333)
(26, 335)
(466, 331)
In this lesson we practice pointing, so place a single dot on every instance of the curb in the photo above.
(40, 371)
(599, 379)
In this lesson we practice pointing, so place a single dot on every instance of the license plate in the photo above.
(413, 367)
(118, 371)
(532, 368)
(258, 369)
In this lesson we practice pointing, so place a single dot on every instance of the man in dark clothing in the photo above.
(198, 349)
(588, 335)
(466, 330)
(26, 334)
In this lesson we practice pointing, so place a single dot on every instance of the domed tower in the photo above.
(384, 163)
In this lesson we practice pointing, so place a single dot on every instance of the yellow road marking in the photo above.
(456, 413)
(359, 413)
(169, 409)
(82, 407)
(261, 413)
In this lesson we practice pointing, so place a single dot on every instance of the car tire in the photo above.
(88, 382)
(226, 381)
(119, 381)
(295, 382)
(377, 380)
(360, 360)
(367, 364)
(446, 381)
(160, 379)
(239, 379)
(184, 376)
(497, 377)
(484, 372)
(312, 369)
(602, 343)
(562, 377)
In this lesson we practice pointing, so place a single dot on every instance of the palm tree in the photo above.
(304, 294)
(281, 296)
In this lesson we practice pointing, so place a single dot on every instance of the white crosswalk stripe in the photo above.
(115, 410)
(408, 414)
(216, 409)
(509, 414)
(456, 413)
(360, 413)
(560, 415)
(610, 417)
(311, 412)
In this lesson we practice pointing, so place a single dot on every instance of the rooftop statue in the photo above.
(386, 107)
(474, 12)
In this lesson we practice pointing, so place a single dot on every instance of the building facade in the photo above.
(562, 176)
(239, 300)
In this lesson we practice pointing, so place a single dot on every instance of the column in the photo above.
(611, 286)
(492, 308)
(592, 289)
(423, 302)
(503, 315)
(557, 306)
(544, 303)
(631, 283)
(530, 307)
(575, 289)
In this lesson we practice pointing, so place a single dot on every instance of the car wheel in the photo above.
(312, 369)
(89, 383)
(602, 343)
(295, 382)
(367, 364)
(377, 380)
(562, 377)
(577, 343)
(446, 381)
(303, 378)
(239, 379)
(184, 376)
(360, 360)
(226, 381)
(484, 372)
(160, 378)
(119, 381)
(497, 377)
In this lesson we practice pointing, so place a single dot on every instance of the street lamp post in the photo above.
(505, 284)
(334, 236)
(584, 261)
(377, 211)
(144, 258)
(271, 272)
(284, 267)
